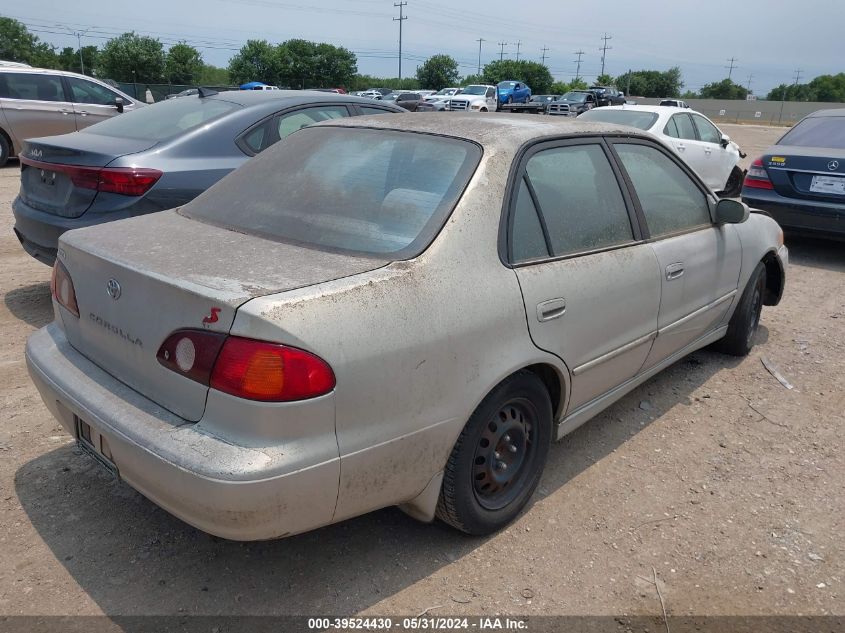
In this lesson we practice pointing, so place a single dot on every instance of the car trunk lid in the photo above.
(807, 173)
(57, 172)
(173, 273)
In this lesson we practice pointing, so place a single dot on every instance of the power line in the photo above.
(502, 52)
(518, 44)
(798, 75)
(578, 66)
(604, 50)
(732, 66)
(543, 58)
(400, 19)
(748, 85)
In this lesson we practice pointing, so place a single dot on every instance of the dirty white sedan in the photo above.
(392, 311)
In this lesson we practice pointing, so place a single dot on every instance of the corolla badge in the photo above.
(113, 288)
(833, 165)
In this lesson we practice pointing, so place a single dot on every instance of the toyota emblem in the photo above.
(113, 288)
(833, 165)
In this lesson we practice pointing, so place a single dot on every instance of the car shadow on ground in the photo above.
(32, 304)
(816, 253)
(133, 558)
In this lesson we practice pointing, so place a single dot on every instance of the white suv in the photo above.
(38, 102)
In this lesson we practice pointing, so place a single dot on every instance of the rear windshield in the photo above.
(641, 120)
(817, 132)
(371, 192)
(163, 120)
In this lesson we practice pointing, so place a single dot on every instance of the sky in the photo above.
(768, 40)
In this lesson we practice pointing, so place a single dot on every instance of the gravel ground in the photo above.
(727, 484)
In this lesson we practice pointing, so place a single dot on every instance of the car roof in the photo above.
(658, 109)
(830, 112)
(501, 132)
(248, 98)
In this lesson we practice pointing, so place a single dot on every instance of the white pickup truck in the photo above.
(475, 98)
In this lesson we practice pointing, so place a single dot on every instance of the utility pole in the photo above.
(578, 67)
(798, 72)
(78, 35)
(400, 19)
(628, 87)
(604, 50)
(479, 40)
(544, 49)
(732, 66)
(518, 44)
(748, 84)
(798, 76)
(502, 52)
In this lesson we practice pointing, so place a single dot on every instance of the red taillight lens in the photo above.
(257, 370)
(757, 177)
(62, 288)
(126, 181)
(191, 353)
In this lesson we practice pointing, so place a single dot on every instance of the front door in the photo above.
(92, 102)
(589, 284)
(699, 261)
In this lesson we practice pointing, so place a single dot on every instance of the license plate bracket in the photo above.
(94, 444)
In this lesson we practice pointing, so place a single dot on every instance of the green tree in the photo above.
(828, 88)
(604, 80)
(307, 64)
(561, 87)
(725, 89)
(471, 79)
(17, 44)
(536, 75)
(182, 64)
(68, 59)
(213, 76)
(438, 71)
(651, 83)
(257, 60)
(363, 82)
(689, 94)
(131, 57)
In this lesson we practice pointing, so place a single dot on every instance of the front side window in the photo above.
(89, 92)
(670, 200)
(381, 193)
(31, 86)
(293, 121)
(707, 132)
(579, 199)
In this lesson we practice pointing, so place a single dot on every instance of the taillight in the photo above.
(126, 181)
(757, 177)
(62, 288)
(246, 368)
(257, 370)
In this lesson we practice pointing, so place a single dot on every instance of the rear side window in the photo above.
(165, 119)
(527, 239)
(293, 121)
(707, 132)
(671, 201)
(33, 87)
(684, 127)
(822, 131)
(373, 192)
(579, 199)
(372, 110)
(88, 92)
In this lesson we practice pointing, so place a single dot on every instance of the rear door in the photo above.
(35, 105)
(685, 142)
(92, 102)
(718, 160)
(698, 260)
(589, 283)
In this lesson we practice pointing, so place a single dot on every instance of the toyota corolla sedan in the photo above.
(403, 311)
(157, 157)
(692, 135)
(800, 180)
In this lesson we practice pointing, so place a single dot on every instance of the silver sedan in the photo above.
(392, 311)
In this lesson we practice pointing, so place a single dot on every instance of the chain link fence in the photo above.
(159, 91)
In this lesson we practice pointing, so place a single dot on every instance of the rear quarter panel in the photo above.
(415, 347)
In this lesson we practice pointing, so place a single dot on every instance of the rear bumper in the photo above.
(235, 492)
(823, 219)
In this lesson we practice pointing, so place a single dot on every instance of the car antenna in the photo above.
(205, 92)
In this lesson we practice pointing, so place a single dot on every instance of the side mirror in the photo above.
(725, 140)
(621, 94)
(731, 211)
(118, 103)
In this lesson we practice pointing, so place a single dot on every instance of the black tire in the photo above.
(511, 426)
(4, 149)
(742, 327)
(733, 186)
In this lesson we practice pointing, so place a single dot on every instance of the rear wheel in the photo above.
(745, 321)
(498, 459)
(4, 149)
(733, 186)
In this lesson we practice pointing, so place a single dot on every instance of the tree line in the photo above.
(299, 63)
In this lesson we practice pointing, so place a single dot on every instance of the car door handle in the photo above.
(551, 309)
(83, 112)
(708, 150)
(65, 111)
(673, 271)
(681, 147)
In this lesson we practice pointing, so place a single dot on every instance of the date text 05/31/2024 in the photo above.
(418, 624)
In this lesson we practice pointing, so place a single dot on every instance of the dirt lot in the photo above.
(729, 485)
